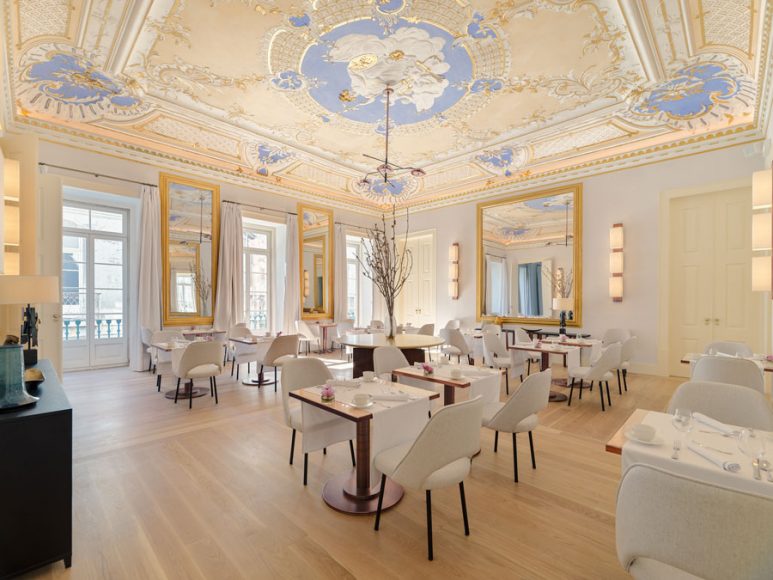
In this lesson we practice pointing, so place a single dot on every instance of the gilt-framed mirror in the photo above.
(190, 220)
(316, 261)
(530, 257)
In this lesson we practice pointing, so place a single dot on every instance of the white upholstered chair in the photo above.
(376, 326)
(519, 413)
(613, 335)
(301, 373)
(341, 330)
(497, 355)
(454, 323)
(242, 353)
(492, 328)
(522, 337)
(455, 345)
(729, 347)
(147, 338)
(730, 370)
(160, 357)
(200, 360)
(600, 371)
(282, 350)
(670, 527)
(440, 457)
(306, 336)
(626, 354)
(730, 404)
(386, 359)
(427, 329)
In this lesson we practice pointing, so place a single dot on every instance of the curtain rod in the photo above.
(281, 211)
(95, 174)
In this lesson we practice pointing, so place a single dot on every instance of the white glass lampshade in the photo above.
(453, 252)
(762, 273)
(616, 288)
(453, 270)
(453, 290)
(616, 237)
(29, 290)
(11, 179)
(762, 231)
(563, 304)
(762, 189)
(616, 263)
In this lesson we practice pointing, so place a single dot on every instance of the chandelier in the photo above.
(387, 171)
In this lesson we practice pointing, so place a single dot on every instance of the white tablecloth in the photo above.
(393, 423)
(692, 465)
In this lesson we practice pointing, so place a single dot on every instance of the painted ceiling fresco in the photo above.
(489, 95)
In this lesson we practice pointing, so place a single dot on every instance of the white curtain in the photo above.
(379, 307)
(229, 301)
(341, 285)
(149, 279)
(292, 309)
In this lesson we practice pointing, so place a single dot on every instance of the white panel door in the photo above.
(416, 303)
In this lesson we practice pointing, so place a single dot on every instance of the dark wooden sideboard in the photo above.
(36, 480)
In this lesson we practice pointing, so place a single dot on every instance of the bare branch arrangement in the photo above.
(385, 264)
(200, 283)
(561, 283)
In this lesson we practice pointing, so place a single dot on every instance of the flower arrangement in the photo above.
(328, 393)
(428, 370)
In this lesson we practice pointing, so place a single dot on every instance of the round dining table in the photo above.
(363, 345)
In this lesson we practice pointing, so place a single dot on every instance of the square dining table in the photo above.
(441, 375)
(259, 379)
(546, 349)
(352, 492)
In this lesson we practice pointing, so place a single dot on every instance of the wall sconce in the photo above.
(616, 242)
(453, 271)
(306, 284)
(762, 230)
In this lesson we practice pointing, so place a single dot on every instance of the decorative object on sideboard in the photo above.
(453, 271)
(762, 231)
(561, 286)
(12, 391)
(616, 242)
(29, 290)
(563, 305)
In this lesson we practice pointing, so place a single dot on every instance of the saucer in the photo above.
(365, 406)
(654, 441)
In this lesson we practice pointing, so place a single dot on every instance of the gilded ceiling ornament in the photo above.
(265, 157)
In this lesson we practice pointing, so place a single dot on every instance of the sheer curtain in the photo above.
(229, 301)
(149, 279)
(341, 279)
(292, 309)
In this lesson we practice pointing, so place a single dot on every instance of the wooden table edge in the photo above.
(616, 442)
(330, 406)
(432, 379)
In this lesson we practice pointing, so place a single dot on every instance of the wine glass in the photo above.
(752, 444)
(682, 422)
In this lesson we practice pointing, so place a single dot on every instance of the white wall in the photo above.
(629, 196)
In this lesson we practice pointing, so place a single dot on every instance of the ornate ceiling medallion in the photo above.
(504, 161)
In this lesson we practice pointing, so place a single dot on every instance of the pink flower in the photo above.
(427, 368)
(328, 392)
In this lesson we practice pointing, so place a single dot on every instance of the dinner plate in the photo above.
(654, 441)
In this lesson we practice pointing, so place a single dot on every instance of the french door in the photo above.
(94, 289)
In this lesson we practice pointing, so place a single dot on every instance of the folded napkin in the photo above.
(731, 466)
(396, 397)
(726, 355)
(346, 384)
(713, 423)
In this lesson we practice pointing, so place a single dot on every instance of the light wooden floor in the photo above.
(164, 492)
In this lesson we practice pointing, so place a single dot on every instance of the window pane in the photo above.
(351, 252)
(108, 276)
(75, 217)
(107, 221)
(108, 313)
(108, 251)
(257, 240)
(75, 246)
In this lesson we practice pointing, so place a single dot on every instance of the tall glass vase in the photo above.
(12, 391)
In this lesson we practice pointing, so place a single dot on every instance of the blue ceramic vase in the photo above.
(12, 391)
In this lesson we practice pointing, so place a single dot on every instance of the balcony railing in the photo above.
(75, 328)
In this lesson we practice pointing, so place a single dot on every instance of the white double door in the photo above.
(416, 303)
(710, 275)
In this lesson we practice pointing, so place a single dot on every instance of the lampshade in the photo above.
(762, 231)
(616, 263)
(11, 179)
(762, 189)
(761, 273)
(453, 270)
(616, 288)
(453, 290)
(453, 252)
(29, 290)
(563, 304)
(616, 237)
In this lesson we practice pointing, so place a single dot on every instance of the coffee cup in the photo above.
(456, 373)
(369, 376)
(643, 432)
(361, 399)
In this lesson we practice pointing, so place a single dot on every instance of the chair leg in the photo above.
(429, 525)
(528, 368)
(233, 364)
(496, 440)
(305, 468)
(150, 364)
(515, 461)
(275, 379)
(507, 382)
(581, 385)
(609, 398)
(380, 501)
(601, 394)
(177, 390)
(190, 396)
(531, 446)
(625, 380)
(158, 383)
(464, 509)
(324, 451)
(211, 388)
(619, 384)
(292, 448)
(351, 451)
(214, 383)
(571, 391)
(237, 372)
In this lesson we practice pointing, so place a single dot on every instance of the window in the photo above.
(258, 243)
(352, 281)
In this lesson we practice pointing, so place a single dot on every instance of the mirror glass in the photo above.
(190, 212)
(529, 263)
(316, 261)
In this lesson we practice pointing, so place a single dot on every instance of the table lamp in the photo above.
(564, 305)
(29, 290)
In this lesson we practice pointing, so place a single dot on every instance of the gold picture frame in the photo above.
(326, 234)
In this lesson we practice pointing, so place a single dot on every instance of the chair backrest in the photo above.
(628, 348)
(238, 331)
(732, 404)
(492, 328)
(730, 370)
(672, 519)
(343, 327)
(427, 329)
(530, 398)
(729, 347)
(388, 358)
(493, 346)
(613, 335)
(454, 323)
(452, 433)
(147, 336)
(300, 373)
(167, 336)
(304, 330)
(456, 338)
(284, 345)
(377, 324)
(199, 353)
(521, 335)
(609, 359)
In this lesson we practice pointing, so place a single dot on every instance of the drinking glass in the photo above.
(682, 422)
(752, 444)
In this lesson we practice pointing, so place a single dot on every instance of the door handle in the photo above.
(716, 322)
(707, 321)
